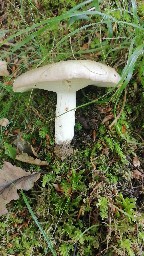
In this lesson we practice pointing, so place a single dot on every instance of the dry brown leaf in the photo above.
(107, 118)
(13, 178)
(85, 46)
(58, 188)
(81, 211)
(24, 157)
(105, 151)
(94, 134)
(104, 110)
(4, 122)
(24, 146)
(137, 175)
(136, 162)
(124, 129)
(3, 68)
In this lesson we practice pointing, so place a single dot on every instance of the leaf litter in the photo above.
(13, 178)
(4, 122)
(3, 68)
(26, 153)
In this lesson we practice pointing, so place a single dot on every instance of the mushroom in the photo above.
(65, 78)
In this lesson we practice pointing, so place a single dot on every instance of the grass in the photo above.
(92, 202)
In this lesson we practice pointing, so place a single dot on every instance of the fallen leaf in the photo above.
(85, 46)
(4, 122)
(113, 208)
(107, 118)
(136, 162)
(13, 178)
(24, 157)
(137, 175)
(58, 188)
(16, 131)
(124, 129)
(105, 151)
(3, 68)
(104, 110)
(24, 146)
(81, 211)
(94, 134)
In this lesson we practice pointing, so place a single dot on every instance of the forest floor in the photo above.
(91, 202)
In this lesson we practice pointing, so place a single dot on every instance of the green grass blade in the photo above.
(80, 5)
(127, 74)
(47, 239)
(134, 10)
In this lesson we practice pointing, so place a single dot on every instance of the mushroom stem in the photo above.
(65, 117)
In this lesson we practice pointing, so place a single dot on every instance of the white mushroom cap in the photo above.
(65, 78)
(71, 75)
